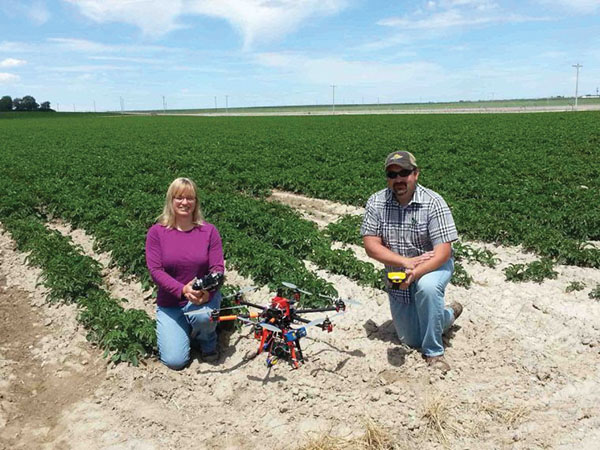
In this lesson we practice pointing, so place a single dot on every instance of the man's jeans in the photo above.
(421, 322)
(175, 331)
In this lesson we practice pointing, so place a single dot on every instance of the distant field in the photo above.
(355, 107)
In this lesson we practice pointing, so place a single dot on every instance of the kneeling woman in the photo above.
(180, 247)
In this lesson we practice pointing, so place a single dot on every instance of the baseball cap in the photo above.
(406, 160)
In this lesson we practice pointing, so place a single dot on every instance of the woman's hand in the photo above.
(411, 263)
(195, 297)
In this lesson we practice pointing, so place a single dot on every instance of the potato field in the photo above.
(524, 190)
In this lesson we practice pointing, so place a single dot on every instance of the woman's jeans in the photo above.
(176, 332)
(421, 322)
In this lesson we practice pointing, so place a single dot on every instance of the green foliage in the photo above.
(536, 271)
(460, 277)
(470, 254)
(126, 335)
(346, 229)
(6, 103)
(595, 293)
(575, 286)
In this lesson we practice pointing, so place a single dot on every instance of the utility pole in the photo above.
(164, 105)
(333, 98)
(216, 108)
(57, 107)
(577, 66)
(227, 104)
(94, 105)
(122, 104)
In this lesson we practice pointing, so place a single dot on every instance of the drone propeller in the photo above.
(294, 287)
(266, 326)
(241, 291)
(348, 301)
(320, 320)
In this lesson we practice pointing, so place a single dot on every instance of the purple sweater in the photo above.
(175, 257)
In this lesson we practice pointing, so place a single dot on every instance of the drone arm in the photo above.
(252, 315)
(253, 305)
(300, 319)
(314, 310)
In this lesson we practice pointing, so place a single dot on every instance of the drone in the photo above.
(275, 325)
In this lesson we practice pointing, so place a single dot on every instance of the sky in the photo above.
(87, 55)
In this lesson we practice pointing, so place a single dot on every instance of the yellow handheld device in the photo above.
(396, 278)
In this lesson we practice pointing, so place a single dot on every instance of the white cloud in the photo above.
(327, 70)
(85, 46)
(87, 68)
(12, 62)
(36, 11)
(256, 20)
(263, 20)
(8, 77)
(16, 47)
(127, 59)
(453, 18)
(81, 45)
(574, 6)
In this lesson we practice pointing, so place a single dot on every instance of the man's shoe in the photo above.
(457, 308)
(211, 356)
(438, 362)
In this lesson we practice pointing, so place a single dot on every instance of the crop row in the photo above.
(506, 178)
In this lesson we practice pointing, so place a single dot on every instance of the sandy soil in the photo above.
(525, 372)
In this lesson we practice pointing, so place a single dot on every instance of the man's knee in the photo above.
(175, 362)
(429, 287)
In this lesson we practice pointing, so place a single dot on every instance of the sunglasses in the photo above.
(403, 173)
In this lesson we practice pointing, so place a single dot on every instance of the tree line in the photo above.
(26, 103)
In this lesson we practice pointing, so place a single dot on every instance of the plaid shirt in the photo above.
(409, 230)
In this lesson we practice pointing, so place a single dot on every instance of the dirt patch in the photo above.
(525, 368)
(322, 212)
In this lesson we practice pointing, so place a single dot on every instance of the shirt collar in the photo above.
(416, 198)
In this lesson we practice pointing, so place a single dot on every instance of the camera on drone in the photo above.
(210, 282)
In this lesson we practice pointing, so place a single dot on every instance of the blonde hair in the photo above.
(180, 186)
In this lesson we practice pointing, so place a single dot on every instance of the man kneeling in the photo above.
(410, 228)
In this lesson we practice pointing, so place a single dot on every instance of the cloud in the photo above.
(8, 77)
(80, 45)
(327, 70)
(11, 62)
(261, 20)
(453, 18)
(574, 6)
(36, 11)
(88, 68)
(85, 46)
(256, 20)
(16, 47)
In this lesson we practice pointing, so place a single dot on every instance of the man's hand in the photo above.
(411, 263)
(193, 296)
(410, 278)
